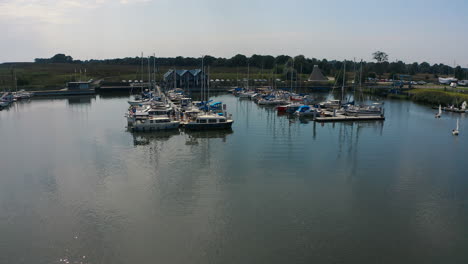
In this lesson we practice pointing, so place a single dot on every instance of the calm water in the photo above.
(75, 185)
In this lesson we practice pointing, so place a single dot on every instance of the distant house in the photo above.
(187, 79)
(317, 75)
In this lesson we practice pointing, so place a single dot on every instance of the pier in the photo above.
(344, 118)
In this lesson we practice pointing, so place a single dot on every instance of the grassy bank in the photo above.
(42, 76)
(437, 96)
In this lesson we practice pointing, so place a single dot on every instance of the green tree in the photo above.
(282, 59)
(238, 60)
(380, 56)
(459, 73)
(61, 58)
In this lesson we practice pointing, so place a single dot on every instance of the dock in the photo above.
(344, 118)
(453, 110)
(64, 92)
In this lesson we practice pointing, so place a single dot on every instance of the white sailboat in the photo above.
(439, 114)
(456, 131)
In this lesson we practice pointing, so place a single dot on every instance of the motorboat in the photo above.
(209, 121)
(365, 110)
(155, 123)
(289, 108)
(307, 110)
(333, 104)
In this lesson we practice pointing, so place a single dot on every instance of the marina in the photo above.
(263, 132)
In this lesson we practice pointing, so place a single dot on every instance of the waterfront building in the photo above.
(186, 79)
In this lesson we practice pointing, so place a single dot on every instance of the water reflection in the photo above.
(81, 99)
(146, 138)
(193, 137)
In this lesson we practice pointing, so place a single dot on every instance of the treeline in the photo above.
(281, 64)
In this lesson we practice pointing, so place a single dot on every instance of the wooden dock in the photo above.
(64, 92)
(344, 118)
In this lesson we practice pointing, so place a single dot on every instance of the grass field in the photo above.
(34, 76)
(438, 96)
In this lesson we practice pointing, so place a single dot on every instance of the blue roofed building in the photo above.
(186, 79)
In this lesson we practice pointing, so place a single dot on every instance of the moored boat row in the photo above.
(159, 112)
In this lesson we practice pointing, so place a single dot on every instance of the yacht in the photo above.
(209, 121)
(333, 104)
(146, 112)
(155, 123)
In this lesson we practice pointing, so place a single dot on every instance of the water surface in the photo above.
(76, 186)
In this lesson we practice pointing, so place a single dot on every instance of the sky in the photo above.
(411, 30)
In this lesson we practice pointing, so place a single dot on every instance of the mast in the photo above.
(300, 79)
(202, 79)
(354, 79)
(343, 86)
(248, 73)
(360, 81)
(16, 81)
(154, 68)
(141, 70)
(175, 78)
(292, 73)
(149, 73)
(208, 88)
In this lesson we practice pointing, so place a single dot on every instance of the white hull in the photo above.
(147, 126)
(139, 102)
(272, 102)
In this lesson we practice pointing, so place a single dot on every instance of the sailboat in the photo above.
(439, 114)
(455, 131)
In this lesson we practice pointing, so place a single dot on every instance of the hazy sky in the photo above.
(411, 30)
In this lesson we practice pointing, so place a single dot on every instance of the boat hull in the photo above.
(208, 126)
(136, 103)
(156, 127)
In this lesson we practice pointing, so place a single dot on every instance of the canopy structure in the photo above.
(317, 75)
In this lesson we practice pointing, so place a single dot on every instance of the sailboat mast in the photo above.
(292, 73)
(149, 73)
(154, 68)
(343, 86)
(208, 89)
(202, 79)
(360, 81)
(354, 79)
(248, 74)
(141, 66)
(16, 81)
(300, 80)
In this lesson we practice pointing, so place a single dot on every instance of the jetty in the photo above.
(344, 118)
